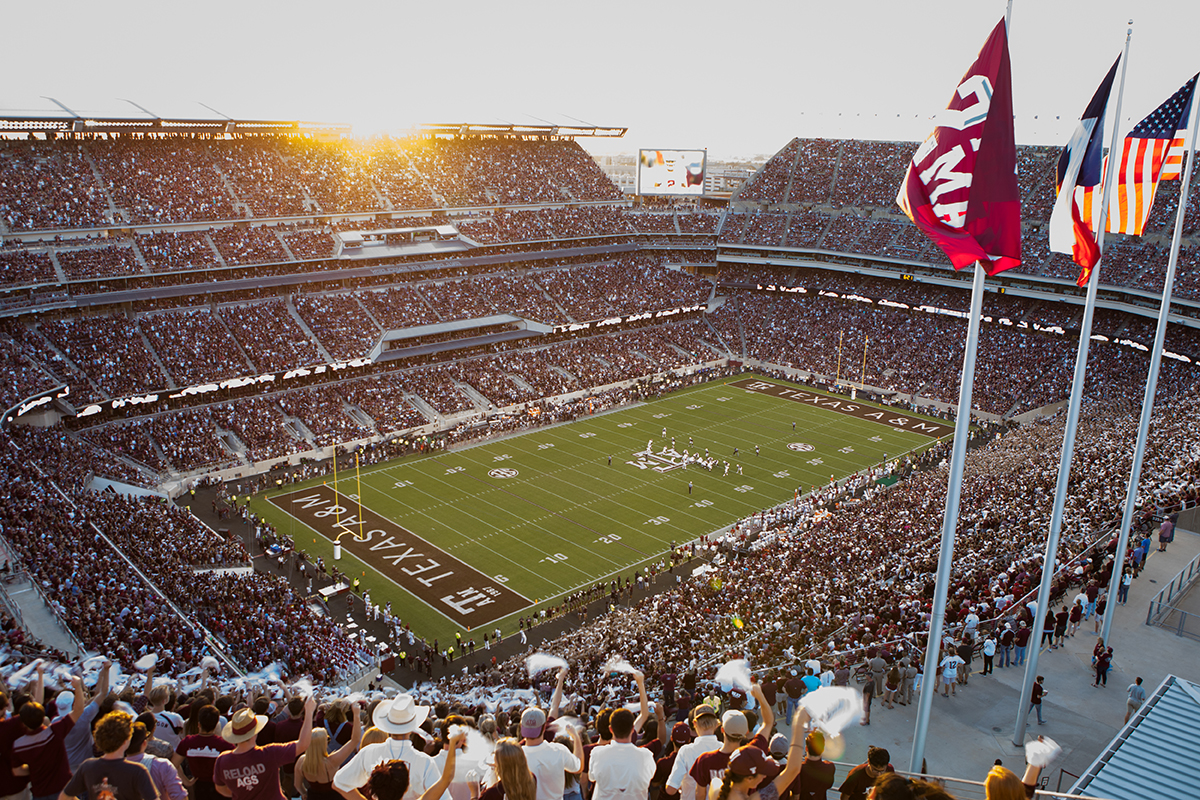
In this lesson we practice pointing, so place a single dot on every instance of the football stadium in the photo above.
(469, 436)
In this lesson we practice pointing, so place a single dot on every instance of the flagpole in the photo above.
(962, 429)
(866, 341)
(1160, 336)
(838, 378)
(1068, 448)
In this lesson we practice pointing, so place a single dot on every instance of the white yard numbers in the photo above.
(660, 416)
(702, 503)
(587, 435)
(554, 558)
(743, 488)
(657, 521)
(625, 424)
(816, 462)
(402, 484)
(453, 470)
(502, 457)
(545, 445)
(876, 439)
(783, 473)
(612, 537)
(694, 408)
(846, 449)
(723, 399)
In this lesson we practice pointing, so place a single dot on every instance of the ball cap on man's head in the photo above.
(734, 724)
(703, 710)
(533, 722)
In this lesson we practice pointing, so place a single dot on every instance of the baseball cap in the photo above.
(779, 745)
(734, 724)
(681, 733)
(533, 721)
(749, 760)
(703, 710)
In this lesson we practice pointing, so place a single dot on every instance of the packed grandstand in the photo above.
(173, 307)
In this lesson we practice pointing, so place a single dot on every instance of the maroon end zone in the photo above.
(851, 408)
(461, 593)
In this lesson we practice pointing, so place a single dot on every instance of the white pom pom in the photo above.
(1039, 753)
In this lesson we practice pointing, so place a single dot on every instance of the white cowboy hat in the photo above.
(244, 725)
(401, 715)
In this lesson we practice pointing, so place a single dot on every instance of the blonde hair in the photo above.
(513, 770)
(317, 753)
(373, 735)
(1003, 784)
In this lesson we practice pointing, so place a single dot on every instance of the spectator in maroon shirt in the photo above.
(200, 751)
(42, 753)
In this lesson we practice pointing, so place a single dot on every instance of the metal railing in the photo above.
(1162, 611)
(1180, 582)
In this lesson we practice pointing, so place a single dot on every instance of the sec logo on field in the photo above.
(800, 447)
(503, 472)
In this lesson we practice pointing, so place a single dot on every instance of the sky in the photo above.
(740, 78)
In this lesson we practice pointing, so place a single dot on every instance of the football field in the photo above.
(478, 535)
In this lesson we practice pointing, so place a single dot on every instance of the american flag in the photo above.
(1153, 151)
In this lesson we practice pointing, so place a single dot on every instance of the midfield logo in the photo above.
(664, 461)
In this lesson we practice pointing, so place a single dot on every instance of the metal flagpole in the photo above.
(866, 341)
(1064, 465)
(1151, 381)
(358, 477)
(838, 378)
(962, 428)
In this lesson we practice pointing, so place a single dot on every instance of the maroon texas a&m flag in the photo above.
(961, 185)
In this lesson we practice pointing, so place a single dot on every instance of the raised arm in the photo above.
(643, 700)
(795, 756)
(556, 701)
(81, 698)
(310, 706)
(443, 783)
(765, 710)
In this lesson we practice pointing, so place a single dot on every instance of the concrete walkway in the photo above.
(38, 618)
(969, 731)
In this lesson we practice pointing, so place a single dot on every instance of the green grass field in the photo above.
(544, 513)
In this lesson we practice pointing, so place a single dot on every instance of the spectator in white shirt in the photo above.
(705, 722)
(621, 769)
(399, 718)
(549, 761)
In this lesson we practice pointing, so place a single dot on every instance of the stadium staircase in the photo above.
(473, 395)
(225, 325)
(58, 270)
(555, 304)
(167, 377)
(419, 404)
(118, 214)
(520, 382)
(299, 320)
(36, 615)
(216, 250)
(787, 190)
(287, 250)
(238, 203)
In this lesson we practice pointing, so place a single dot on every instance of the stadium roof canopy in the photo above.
(522, 131)
(59, 119)
(1155, 754)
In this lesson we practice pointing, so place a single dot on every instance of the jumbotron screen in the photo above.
(671, 171)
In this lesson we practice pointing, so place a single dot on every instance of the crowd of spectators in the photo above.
(49, 185)
(269, 335)
(19, 267)
(339, 322)
(194, 346)
(98, 262)
(109, 350)
(169, 251)
(162, 180)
